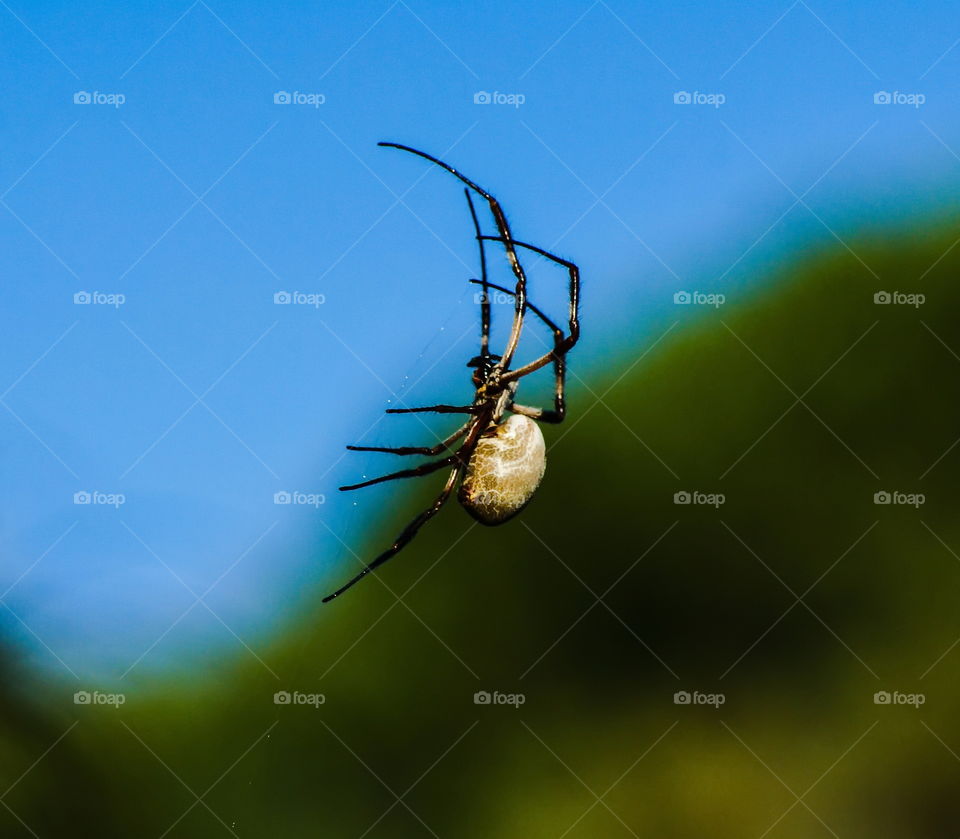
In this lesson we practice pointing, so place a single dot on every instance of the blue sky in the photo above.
(176, 181)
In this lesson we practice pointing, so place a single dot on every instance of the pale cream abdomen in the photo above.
(504, 471)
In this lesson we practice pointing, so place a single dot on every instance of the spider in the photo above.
(501, 461)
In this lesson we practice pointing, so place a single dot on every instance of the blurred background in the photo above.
(730, 609)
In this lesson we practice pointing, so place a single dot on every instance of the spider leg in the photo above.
(559, 400)
(559, 366)
(460, 458)
(485, 299)
(562, 345)
(538, 312)
(406, 534)
(505, 238)
(542, 414)
(415, 472)
(574, 273)
(428, 450)
(437, 409)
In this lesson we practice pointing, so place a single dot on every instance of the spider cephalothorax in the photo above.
(484, 367)
(501, 460)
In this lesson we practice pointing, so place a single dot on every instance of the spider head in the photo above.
(483, 366)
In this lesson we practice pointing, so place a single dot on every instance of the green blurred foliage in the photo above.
(797, 599)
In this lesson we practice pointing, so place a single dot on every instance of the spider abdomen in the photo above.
(504, 471)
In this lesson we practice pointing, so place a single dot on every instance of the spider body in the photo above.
(504, 470)
(500, 462)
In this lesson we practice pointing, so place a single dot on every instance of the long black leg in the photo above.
(406, 534)
(428, 450)
(559, 399)
(559, 366)
(542, 414)
(574, 274)
(433, 450)
(436, 409)
(415, 472)
(538, 312)
(460, 457)
(484, 283)
(505, 238)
